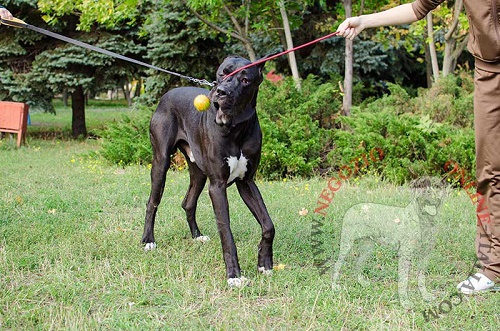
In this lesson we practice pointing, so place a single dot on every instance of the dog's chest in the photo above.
(238, 166)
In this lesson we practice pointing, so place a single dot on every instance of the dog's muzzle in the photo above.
(223, 105)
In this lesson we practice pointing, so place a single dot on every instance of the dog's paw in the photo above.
(363, 280)
(238, 282)
(336, 287)
(428, 296)
(406, 303)
(202, 239)
(265, 272)
(149, 246)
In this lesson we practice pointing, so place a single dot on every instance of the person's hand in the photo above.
(351, 27)
(4, 13)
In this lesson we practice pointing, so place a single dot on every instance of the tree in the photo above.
(109, 14)
(252, 21)
(239, 16)
(432, 48)
(456, 37)
(40, 66)
(18, 49)
(289, 43)
(348, 76)
(447, 35)
(80, 71)
(180, 42)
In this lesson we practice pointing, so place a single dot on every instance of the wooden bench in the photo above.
(14, 119)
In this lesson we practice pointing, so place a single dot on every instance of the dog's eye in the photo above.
(244, 80)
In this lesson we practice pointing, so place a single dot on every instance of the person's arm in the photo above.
(4, 13)
(352, 26)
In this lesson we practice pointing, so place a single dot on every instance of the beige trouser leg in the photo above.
(487, 131)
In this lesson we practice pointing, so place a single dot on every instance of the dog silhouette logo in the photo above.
(409, 229)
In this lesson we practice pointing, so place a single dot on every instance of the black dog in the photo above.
(223, 144)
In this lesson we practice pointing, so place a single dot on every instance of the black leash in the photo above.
(17, 23)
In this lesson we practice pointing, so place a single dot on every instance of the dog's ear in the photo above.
(263, 60)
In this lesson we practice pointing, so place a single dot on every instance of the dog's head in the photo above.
(235, 97)
(429, 193)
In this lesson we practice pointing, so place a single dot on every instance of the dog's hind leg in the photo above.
(162, 141)
(197, 182)
(422, 268)
(404, 266)
(426, 295)
(250, 194)
(366, 251)
(345, 247)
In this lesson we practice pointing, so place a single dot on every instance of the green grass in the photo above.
(98, 115)
(71, 259)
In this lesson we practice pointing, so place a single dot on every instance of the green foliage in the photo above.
(375, 65)
(301, 135)
(418, 136)
(38, 67)
(450, 100)
(295, 125)
(18, 48)
(109, 13)
(127, 141)
(178, 42)
(398, 101)
(410, 148)
(24, 88)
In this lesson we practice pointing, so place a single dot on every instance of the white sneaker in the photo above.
(475, 283)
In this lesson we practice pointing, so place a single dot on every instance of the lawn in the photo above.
(98, 115)
(71, 258)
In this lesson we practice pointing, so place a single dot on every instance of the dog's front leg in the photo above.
(218, 195)
(427, 296)
(427, 246)
(404, 266)
(253, 199)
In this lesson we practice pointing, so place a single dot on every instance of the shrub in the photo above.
(127, 141)
(450, 100)
(398, 101)
(301, 136)
(296, 126)
(412, 146)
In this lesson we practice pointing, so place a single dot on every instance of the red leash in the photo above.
(282, 53)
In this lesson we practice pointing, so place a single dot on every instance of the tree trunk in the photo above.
(449, 62)
(427, 61)
(361, 7)
(432, 48)
(453, 47)
(250, 51)
(289, 44)
(428, 67)
(127, 92)
(347, 99)
(65, 97)
(138, 88)
(78, 125)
